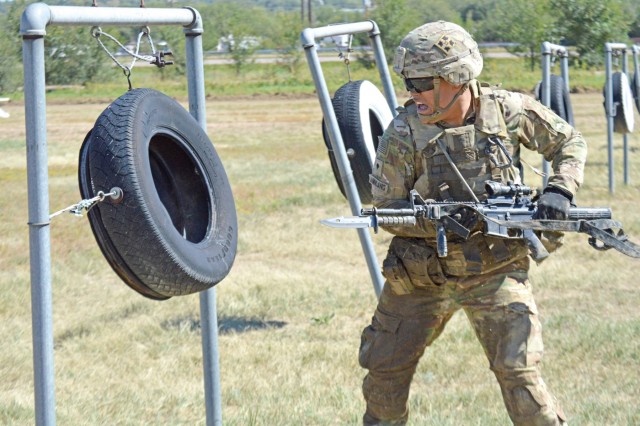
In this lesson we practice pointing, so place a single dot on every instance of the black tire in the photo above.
(362, 114)
(560, 101)
(175, 230)
(623, 120)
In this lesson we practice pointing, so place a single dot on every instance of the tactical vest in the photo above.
(479, 151)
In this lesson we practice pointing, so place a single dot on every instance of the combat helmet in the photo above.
(439, 49)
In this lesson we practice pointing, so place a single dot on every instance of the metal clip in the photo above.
(496, 141)
(159, 60)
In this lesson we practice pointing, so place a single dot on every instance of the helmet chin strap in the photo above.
(438, 111)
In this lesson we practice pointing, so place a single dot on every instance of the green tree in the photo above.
(507, 21)
(10, 46)
(241, 27)
(284, 36)
(395, 18)
(72, 56)
(433, 10)
(589, 24)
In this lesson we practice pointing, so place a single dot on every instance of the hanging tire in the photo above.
(363, 114)
(622, 96)
(560, 101)
(174, 232)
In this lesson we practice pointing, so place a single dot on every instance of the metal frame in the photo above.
(549, 50)
(308, 37)
(34, 21)
(610, 109)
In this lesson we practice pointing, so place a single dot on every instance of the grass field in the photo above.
(292, 309)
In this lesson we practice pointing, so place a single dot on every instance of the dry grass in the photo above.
(292, 309)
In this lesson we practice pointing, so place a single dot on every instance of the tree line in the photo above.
(73, 56)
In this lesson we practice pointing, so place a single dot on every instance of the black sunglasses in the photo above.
(418, 85)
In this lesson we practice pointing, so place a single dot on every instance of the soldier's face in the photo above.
(426, 103)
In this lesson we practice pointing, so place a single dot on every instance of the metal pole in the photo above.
(39, 232)
(549, 49)
(625, 136)
(208, 316)
(385, 76)
(564, 67)
(38, 15)
(308, 37)
(564, 63)
(636, 72)
(609, 107)
(545, 97)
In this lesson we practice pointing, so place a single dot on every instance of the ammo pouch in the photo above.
(481, 254)
(411, 264)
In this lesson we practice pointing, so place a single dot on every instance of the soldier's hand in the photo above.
(554, 204)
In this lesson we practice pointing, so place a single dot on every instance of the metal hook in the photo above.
(127, 73)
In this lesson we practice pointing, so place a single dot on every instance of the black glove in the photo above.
(553, 204)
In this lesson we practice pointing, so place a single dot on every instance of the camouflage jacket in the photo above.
(518, 119)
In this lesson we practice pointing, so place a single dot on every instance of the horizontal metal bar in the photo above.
(310, 34)
(37, 16)
(553, 49)
(609, 47)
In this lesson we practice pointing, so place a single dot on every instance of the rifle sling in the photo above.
(600, 229)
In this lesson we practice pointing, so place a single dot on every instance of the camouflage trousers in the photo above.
(502, 311)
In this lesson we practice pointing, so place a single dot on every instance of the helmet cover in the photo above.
(439, 49)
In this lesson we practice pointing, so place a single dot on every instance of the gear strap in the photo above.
(599, 230)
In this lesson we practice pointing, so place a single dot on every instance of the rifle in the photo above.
(507, 213)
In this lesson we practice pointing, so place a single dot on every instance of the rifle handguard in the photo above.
(396, 220)
(578, 213)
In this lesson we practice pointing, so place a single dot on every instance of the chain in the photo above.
(156, 58)
(76, 209)
(344, 57)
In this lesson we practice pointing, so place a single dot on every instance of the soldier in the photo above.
(446, 141)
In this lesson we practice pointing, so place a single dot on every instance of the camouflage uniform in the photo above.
(485, 276)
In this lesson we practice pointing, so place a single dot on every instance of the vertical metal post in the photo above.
(548, 50)
(383, 70)
(308, 38)
(208, 316)
(564, 64)
(609, 107)
(625, 137)
(635, 49)
(545, 97)
(39, 233)
(564, 70)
